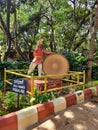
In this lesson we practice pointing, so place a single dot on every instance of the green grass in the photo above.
(95, 83)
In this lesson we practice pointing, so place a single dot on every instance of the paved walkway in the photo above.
(78, 117)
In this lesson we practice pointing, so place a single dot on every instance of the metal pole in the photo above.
(4, 80)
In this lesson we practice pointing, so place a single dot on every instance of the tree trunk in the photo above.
(17, 48)
(91, 47)
(8, 24)
(52, 45)
(15, 23)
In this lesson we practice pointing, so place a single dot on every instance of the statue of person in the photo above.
(38, 54)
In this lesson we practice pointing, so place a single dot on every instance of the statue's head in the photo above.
(40, 42)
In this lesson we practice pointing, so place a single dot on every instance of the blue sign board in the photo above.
(19, 85)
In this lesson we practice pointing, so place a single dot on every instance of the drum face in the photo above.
(55, 64)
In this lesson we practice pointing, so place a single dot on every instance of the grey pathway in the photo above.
(78, 117)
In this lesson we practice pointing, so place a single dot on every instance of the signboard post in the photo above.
(19, 86)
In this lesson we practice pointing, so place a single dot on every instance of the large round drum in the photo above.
(55, 64)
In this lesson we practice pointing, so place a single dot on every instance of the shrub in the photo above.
(11, 101)
(40, 98)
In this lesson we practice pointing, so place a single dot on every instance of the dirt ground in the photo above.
(78, 117)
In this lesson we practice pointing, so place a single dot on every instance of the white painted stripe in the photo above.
(27, 117)
(94, 91)
(79, 96)
(59, 104)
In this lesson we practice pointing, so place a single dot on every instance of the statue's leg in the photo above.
(32, 67)
(39, 69)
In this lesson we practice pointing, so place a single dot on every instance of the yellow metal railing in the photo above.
(72, 77)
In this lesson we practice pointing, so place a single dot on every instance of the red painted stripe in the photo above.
(8, 122)
(44, 110)
(70, 99)
(87, 93)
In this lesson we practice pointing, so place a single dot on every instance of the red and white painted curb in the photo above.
(24, 118)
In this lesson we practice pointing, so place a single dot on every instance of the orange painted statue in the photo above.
(38, 57)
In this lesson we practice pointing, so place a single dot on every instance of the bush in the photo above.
(79, 62)
(11, 101)
(8, 65)
(95, 72)
(40, 98)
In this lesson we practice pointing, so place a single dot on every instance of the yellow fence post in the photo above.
(4, 80)
(84, 79)
(45, 85)
(78, 77)
(32, 87)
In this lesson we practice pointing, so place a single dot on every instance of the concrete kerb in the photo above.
(24, 118)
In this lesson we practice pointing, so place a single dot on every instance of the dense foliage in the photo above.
(77, 62)
(67, 25)
(64, 24)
